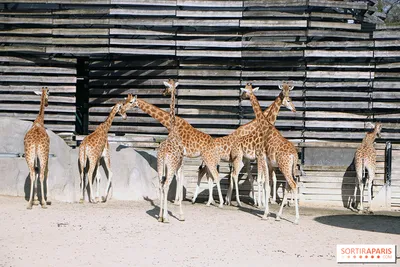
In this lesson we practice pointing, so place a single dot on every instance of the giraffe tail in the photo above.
(293, 180)
(363, 168)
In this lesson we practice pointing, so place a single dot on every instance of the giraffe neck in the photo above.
(172, 112)
(40, 117)
(105, 126)
(369, 138)
(257, 109)
(160, 115)
(273, 109)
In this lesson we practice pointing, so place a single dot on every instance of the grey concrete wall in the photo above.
(133, 177)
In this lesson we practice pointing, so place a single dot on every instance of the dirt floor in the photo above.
(122, 233)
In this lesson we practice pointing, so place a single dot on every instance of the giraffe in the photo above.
(94, 147)
(365, 158)
(37, 146)
(169, 159)
(278, 152)
(195, 142)
(228, 152)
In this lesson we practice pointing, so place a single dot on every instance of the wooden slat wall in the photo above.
(345, 71)
(21, 76)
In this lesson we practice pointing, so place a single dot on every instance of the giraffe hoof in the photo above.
(160, 219)
(264, 218)
(220, 206)
(103, 199)
(360, 211)
(35, 202)
(181, 218)
(296, 221)
(81, 201)
(277, 219)
(44, 206)
(97, 199)
(29, 207)
(165, 220)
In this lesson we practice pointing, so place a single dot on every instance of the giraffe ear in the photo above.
(176, 84)
(291, 87)
(256, 89)
(280, 86)
(167, 85)
(244, 90)
(38, 92)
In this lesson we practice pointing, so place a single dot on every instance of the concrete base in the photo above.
(382, 201)
(133, 177)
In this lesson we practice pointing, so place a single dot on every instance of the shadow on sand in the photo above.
(388, 224)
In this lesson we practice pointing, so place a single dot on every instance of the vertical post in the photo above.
(388, 163)
(82, 97)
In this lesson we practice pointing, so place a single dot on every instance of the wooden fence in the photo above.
(345, 71)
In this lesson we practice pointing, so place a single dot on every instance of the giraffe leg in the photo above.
(82, 173)
(107, 161)
(287, 171)
(35, 190)
(30, 160)
(266, 189)
(210, 191)
(180, 197)
(179, 186)
(90, 181)
(161, 188)
(361, 197)
(32, 178)
(43, 166)
(259, 181)
(230, 189)
(278, 216)
(371, 177)
(170, 175)
(200, 175)
(247, 163)
(273, 175)
(215, 177)
(237, 166)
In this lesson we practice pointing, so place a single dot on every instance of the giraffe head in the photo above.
(118, 108)
(130, 102)
(377, 128)
(45, 92)
(286, 100)
(248, 90)
(170, 87)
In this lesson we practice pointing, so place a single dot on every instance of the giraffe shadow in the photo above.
(348, 186)
(155, 211)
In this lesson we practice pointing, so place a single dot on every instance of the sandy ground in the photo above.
(122, 233)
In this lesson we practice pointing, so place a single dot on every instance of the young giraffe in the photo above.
(195, 142)
(228, 151)
(37, 146)
(278, 151)
(365, 158)
(94, 147)
(169, 160)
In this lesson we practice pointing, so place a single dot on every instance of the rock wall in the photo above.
(133, 177)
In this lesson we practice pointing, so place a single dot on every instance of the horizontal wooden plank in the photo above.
(258, 23)
(341, 74)
(338, 53)
(37, 79)
(335, 25)
(33, 97)
(31, 88)
(37, 69)
(35, 108)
